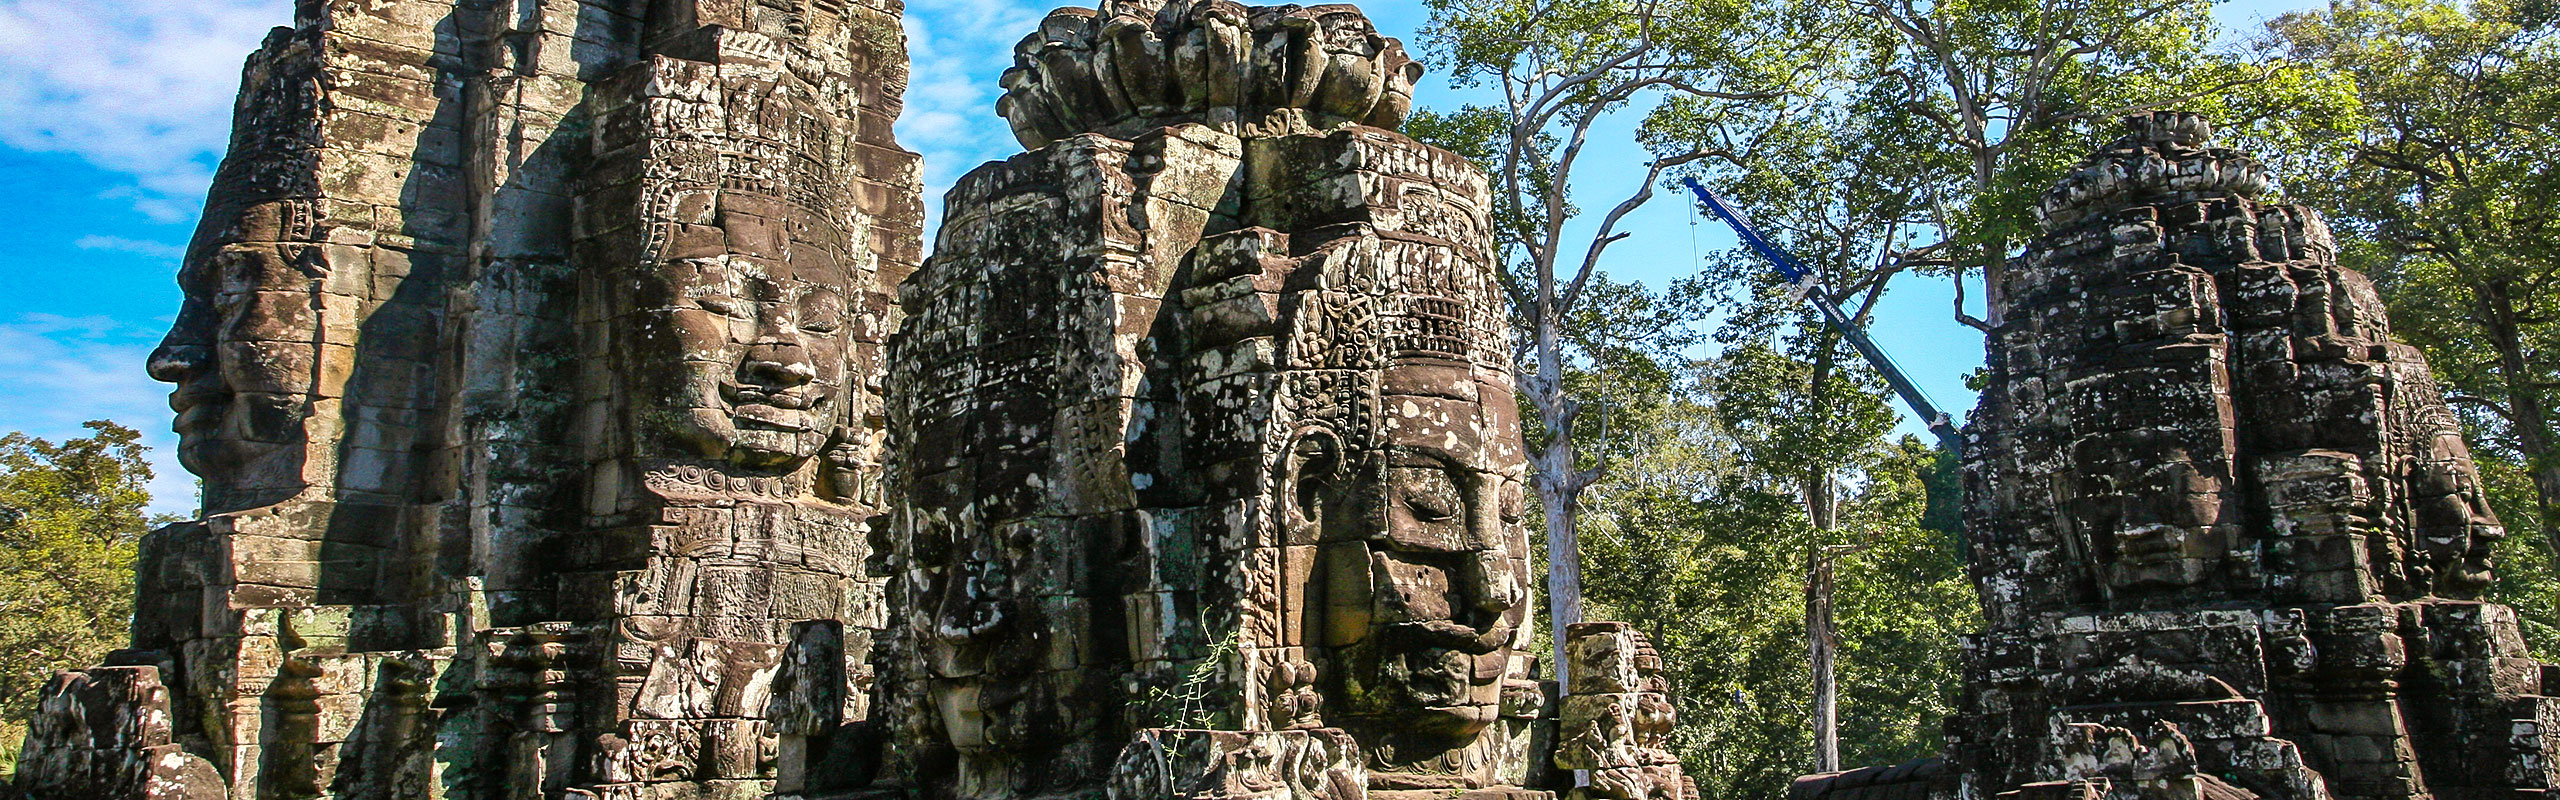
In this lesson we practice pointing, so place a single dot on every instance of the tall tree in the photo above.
(2449, 180)
(1699, 529)
(1838, 180)
(1933, 130)
(2010, 93)
(1562, 67)
(70, 516)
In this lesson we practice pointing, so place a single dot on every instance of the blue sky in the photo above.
(118, 111)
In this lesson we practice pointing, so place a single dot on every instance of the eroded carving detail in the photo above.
(1618, 721)
(1134, 65)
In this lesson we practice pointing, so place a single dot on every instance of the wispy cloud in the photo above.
(139, 247)
(138, 88)
(58, 371)
(144, 88)
(959, 48)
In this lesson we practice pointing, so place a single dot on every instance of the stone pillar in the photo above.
(1617, 723)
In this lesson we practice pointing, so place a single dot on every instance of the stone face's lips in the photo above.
(1447, 634)
(794, 420)
(197, 414)
(796, 400)
(2152, 543)
(196, 393)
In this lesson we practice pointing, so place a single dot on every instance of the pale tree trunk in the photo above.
(1564, 566)
(2526, 417)
(1821, 636)
(1537, 98)
(1995, 255)
(1822, 641)
(1558, 482)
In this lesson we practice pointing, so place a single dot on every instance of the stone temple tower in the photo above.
(530, 358)
(2228, 537)
(1210, 469)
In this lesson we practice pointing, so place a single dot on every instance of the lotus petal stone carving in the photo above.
(1133, 65)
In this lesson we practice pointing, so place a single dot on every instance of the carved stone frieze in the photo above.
(1171, 764)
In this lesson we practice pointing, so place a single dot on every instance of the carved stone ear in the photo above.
(1316, 461)
(841, 475)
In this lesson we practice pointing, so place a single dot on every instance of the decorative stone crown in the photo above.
(2165, 157)
(1135, 65)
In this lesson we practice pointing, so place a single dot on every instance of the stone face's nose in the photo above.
(778, 365)
(174, 362)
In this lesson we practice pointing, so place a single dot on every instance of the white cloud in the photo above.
(144, 88)
(138, 87)
(959, 48)
(139, 247)
(58, 371)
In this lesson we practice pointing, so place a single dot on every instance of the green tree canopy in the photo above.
(2443, 189)
(70, 516)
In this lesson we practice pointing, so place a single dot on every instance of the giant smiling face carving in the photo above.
(753, 321)
(1428, 582)
(243, 353)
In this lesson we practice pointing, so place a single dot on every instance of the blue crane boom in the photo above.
(1808, 285)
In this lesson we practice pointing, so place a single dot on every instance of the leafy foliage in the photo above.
(1705, 548)
(2443, 191)
(74, 515)
(1700, 536)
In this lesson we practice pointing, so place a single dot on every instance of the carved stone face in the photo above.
(2455, 529)
(242, 354)
(758, 321)
(1429, 584)
(2163, 536)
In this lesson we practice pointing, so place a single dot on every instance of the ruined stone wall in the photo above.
(530, 357)
(2227, 535)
